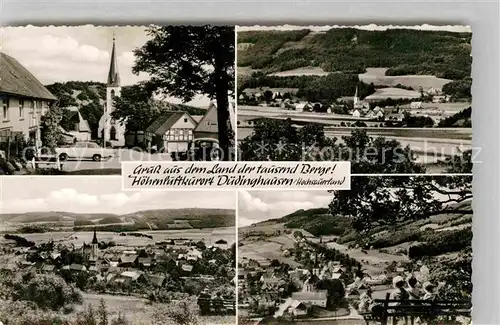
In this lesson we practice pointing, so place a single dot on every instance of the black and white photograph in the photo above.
(79, 100)
(389, 99)
(392, 250)
(79, 251)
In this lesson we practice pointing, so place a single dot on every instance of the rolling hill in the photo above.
(319, 222)
(161, 219)
(443, 54)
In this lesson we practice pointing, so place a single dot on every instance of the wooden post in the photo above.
(8, 148)
(386, 306)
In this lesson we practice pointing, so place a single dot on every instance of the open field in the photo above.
(378, 78)
(137, 310)
(259, 250)
(384, 93)
(306, 71)
(78, 238)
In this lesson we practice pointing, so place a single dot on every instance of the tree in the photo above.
(278, 140)
(47, 291)
(373, 201)
(275, 263)
(102, 313)
(135, 107)
(181, 312)
(49, 131)
(335, 291)
(185, 61)
(268, 95)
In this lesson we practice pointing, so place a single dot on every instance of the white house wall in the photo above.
(29, 119)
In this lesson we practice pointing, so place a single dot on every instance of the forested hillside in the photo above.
(345, 53)
(443, 54)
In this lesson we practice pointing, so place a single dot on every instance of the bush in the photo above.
(442, 243)
(47, 291)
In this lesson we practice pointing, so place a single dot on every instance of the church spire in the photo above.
(94, 240)
(113, 76)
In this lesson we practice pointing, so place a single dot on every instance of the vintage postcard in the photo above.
(392, 100)
(79, 100)
(81, 251)
(399, 255)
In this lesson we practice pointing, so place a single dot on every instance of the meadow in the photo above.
(78, 238)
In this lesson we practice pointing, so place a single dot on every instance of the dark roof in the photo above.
(165, 121)
(113, 76)
(156, 279)
(16, 79)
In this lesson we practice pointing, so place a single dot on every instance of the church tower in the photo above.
(95, 247)
(111, 131)
(356, 98)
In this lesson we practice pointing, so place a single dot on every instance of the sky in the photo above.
(81, 53)
(257, 206)
(99, 195)
(454, 28)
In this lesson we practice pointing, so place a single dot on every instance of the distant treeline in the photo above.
(20, 241)
(461, 119)
(314, 88)
(136, 234)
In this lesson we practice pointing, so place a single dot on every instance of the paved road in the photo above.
(114, 162)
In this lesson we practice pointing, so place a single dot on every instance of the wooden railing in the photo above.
(224, 305)
(408, 311)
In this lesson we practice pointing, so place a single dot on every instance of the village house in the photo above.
(313, 298)
(171, 132)
(298, 308)
(79, 127)
(24, 99)
(156, 280)
(208, 127)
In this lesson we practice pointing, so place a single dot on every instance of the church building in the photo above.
(112, 131)
(94, 254)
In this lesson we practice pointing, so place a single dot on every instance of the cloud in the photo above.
(71, 200)
(82, 53)
(256, 206)
(52, 47)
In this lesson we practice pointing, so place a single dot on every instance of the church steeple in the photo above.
(94, 240)
(113, 76)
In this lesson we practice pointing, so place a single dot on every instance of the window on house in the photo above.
(21, 109)
(5, 109)
(112, 134)
(185, 120)
(32, 107)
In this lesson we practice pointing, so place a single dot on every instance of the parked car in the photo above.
(84, 150)
(201, 149)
